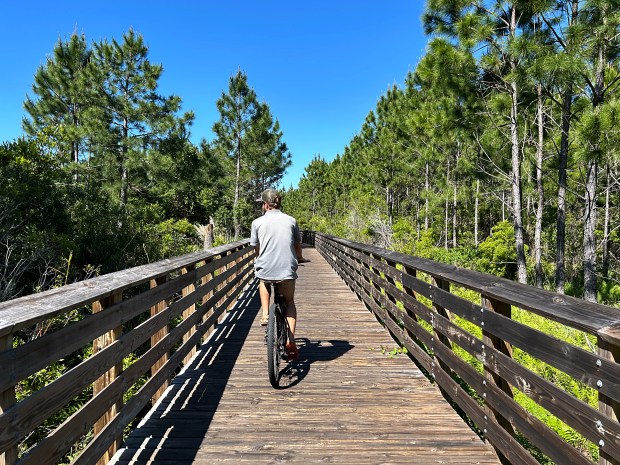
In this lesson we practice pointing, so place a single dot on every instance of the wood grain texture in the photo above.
(24, 311)
(345, 401)
(577, 313)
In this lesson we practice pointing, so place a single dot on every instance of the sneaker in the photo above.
(292, 351)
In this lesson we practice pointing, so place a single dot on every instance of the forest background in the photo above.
(498, 153)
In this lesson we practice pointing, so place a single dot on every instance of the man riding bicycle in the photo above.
(277, 241)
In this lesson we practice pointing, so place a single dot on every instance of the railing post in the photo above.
(100, 384)
(607, 406)
(188, 312)
(7, 400)
(158, 336)
(411, 272)
(501, 308)
(204, 282)
(443, 285)
(228, 281)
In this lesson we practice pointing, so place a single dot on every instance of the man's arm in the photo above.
(300, 258)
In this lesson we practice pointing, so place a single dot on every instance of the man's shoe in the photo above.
(292, 353)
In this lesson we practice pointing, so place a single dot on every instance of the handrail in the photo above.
(420, 315)
(153, 316)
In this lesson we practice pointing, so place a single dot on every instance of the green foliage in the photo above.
(170, 238)
(497, 252)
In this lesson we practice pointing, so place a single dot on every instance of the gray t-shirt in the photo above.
(275, 233)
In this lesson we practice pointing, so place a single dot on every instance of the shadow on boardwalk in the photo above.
(174, 431)
(309, 353)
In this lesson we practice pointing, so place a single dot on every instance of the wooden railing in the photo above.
(417, 301)
(132, 331)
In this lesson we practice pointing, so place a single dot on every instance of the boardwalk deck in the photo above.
(346, 400)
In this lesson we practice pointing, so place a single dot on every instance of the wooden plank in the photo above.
(346, 400)
(576, 313)
(578, 363)
(608, 407)
(8, 455)
(107, 378)
(52, 448)
(158, 336)
(25, 311)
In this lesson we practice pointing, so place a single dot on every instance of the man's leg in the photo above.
(263, 292)
(287, 288)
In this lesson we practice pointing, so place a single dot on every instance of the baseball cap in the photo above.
(270, 196)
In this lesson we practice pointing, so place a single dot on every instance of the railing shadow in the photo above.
(175, 430)
(311, 352)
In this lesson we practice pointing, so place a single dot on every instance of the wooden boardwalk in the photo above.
(346, 401)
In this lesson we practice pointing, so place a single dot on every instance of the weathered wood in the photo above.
(608, 406)
(347, 400)
(503, 309)
(158, 336)
(103, 370)
(188, 312)
(8, 455)
(375, 276)
(26, 311)
(571, 311)
(99, 385)
(57, 444)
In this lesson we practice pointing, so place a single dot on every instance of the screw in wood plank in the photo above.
(598, 363)
(599, 383)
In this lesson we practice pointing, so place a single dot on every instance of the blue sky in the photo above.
(320, 65)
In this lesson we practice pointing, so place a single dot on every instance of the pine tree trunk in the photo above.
(541, 192)
(589, 240)
(605, 270)
(516, 166)
(589, 222)
(124, 174)
(454, 242)
(236, 222)
(560, 243)
(447, 208)
(476, 212)
(426, 205)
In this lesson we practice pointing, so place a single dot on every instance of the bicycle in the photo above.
(276, 334)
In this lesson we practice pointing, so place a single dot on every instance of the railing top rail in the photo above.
(25, 311)
(593, 318)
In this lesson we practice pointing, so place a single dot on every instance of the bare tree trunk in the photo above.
(589, 239)
(605, 270)
(516, 166)
(541, 192)
(454, 242)
(476, 212)
(236, 222)
(447, 208)
(589, 221)
(426, 206)
(560, 244)
(124, 174)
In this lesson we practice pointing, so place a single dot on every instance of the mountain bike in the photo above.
(276, 335)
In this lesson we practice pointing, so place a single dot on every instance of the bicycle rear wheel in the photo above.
(273, 343)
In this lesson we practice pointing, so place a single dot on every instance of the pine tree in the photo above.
(238, 109)
(61, 97)
(130, 117)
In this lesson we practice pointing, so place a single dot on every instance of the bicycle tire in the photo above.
(273, 343)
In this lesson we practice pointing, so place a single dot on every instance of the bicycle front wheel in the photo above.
(273, 350)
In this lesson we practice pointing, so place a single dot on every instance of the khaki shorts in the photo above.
(286, 287)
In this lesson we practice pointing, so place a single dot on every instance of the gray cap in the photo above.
(270, 196)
